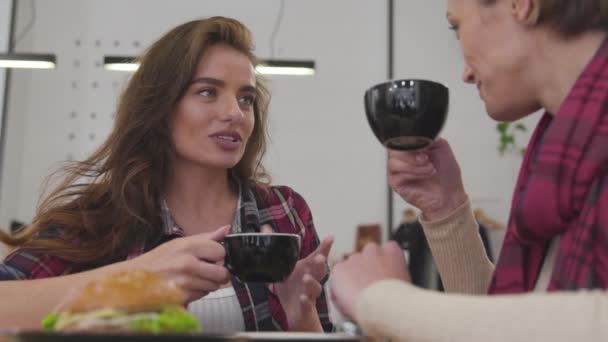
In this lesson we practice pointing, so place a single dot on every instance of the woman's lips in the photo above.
(227, 142)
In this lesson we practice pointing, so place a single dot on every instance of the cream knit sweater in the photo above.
(399, 311)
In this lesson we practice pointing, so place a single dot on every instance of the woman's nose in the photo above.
(467, 74)
(232, 111)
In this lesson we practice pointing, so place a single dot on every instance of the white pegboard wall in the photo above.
(90, 120)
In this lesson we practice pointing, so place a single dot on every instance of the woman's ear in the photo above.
(525, 11)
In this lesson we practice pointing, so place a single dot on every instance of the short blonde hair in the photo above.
(568, 17)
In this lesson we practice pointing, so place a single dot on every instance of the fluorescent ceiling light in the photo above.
(265, 67)
(285, 67)
(119, 63)
(27, 61)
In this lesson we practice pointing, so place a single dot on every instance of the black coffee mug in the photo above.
(261, 257)
(407, 114)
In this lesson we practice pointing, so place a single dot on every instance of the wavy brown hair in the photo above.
(102, 204)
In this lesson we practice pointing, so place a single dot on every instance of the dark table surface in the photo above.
(42, 336)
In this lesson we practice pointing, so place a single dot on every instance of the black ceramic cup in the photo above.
(261, 257)
(407, 114)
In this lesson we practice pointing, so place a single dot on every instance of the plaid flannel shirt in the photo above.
(562, 191)
(280, 207)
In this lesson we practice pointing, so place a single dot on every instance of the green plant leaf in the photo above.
(502, 127)
(521, 127)
(507, 139)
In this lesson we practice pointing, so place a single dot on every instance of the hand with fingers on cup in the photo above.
(299, 292)
(195, 263)
(429, 179)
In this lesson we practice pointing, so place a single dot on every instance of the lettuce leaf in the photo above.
(65, 319)
(48, 323)
(170, 320)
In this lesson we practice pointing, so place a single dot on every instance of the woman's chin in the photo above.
(508, 114)
(215, 163)
(227, 163)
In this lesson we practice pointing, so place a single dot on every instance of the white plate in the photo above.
(300, 336)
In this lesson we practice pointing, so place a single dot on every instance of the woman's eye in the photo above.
(248, 100)
(207, 92)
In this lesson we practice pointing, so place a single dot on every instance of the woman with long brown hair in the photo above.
(184, 158)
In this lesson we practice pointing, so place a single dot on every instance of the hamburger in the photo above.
(133, 301)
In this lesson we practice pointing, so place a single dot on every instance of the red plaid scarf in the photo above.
(562, 190)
